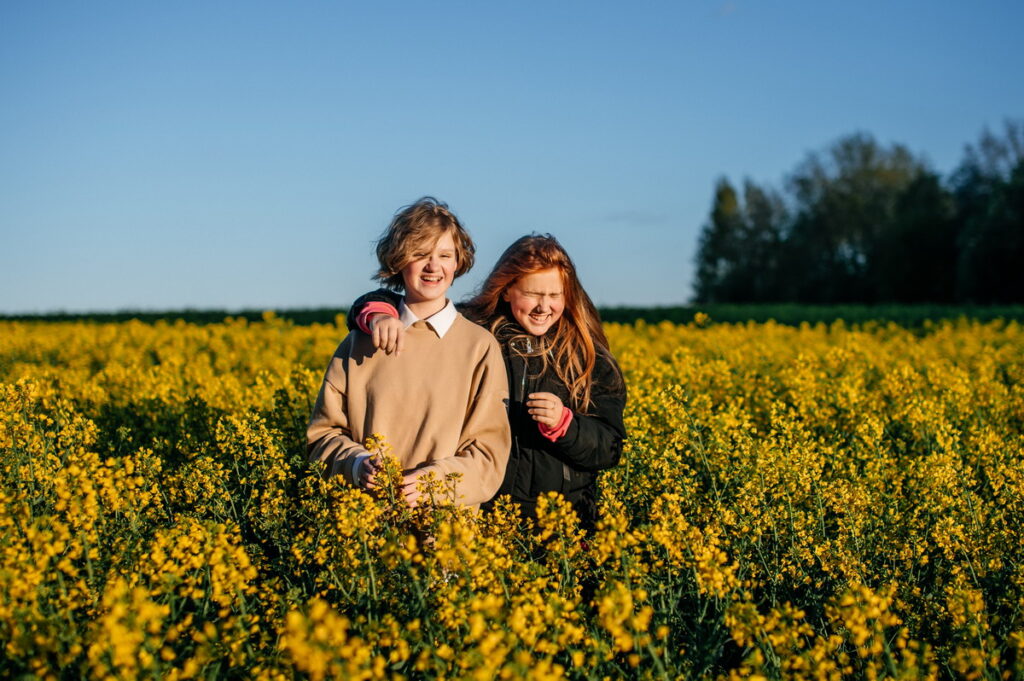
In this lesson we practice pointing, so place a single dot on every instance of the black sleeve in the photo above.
(381, 295)
(593, 441)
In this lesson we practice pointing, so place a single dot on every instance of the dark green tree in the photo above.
(737, 258)
(865, 223)
(844, 201)
(720, 243)
(989, 190)
(765, 218)
(915, 258)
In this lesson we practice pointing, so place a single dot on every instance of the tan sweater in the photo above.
(441, 403)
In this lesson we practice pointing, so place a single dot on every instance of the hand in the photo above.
(545, 408)
(368, 470)
(410, 491)
(388, 333)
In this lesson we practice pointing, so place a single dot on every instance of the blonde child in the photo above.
(441, 405)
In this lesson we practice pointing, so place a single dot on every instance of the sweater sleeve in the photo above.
(593, 441)
(370, 309)
(381, 295)
(552, 433)
(486, 439)
(328, 436)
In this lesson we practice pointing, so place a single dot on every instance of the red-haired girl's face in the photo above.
(537, 300)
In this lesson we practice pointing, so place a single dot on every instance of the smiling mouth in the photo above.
(431, 279)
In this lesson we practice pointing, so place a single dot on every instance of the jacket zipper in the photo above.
(521, 404)
(566, 473)
(526, 370)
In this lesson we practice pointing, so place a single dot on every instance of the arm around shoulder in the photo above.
(375, 300)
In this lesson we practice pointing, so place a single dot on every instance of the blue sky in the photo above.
(246, 155)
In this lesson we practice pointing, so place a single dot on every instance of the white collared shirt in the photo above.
(440, 321)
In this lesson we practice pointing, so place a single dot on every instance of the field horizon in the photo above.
(790, 314)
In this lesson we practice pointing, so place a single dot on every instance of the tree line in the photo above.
(863, 223)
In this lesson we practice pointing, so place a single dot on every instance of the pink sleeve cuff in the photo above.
(559, 429)
(370, 309)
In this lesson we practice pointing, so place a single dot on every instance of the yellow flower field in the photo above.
(815, 502)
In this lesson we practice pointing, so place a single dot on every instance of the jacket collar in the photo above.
(518, 338)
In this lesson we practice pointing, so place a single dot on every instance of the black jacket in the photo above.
(536, 465)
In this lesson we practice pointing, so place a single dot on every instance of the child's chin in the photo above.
(432, 291)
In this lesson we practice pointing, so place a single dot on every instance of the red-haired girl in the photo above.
(566, 390)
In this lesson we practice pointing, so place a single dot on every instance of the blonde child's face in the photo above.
(537, 300)
(430, 273)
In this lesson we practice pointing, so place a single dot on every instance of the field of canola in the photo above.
(815, 502)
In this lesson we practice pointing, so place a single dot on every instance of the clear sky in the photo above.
(247, 154)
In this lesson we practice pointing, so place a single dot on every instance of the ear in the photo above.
(506, 296)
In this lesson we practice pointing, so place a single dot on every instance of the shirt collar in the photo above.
(440, 321)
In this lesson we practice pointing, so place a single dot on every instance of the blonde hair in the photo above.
(576, 338)
(414, 227)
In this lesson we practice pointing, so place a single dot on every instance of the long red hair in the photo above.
(572, 344)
